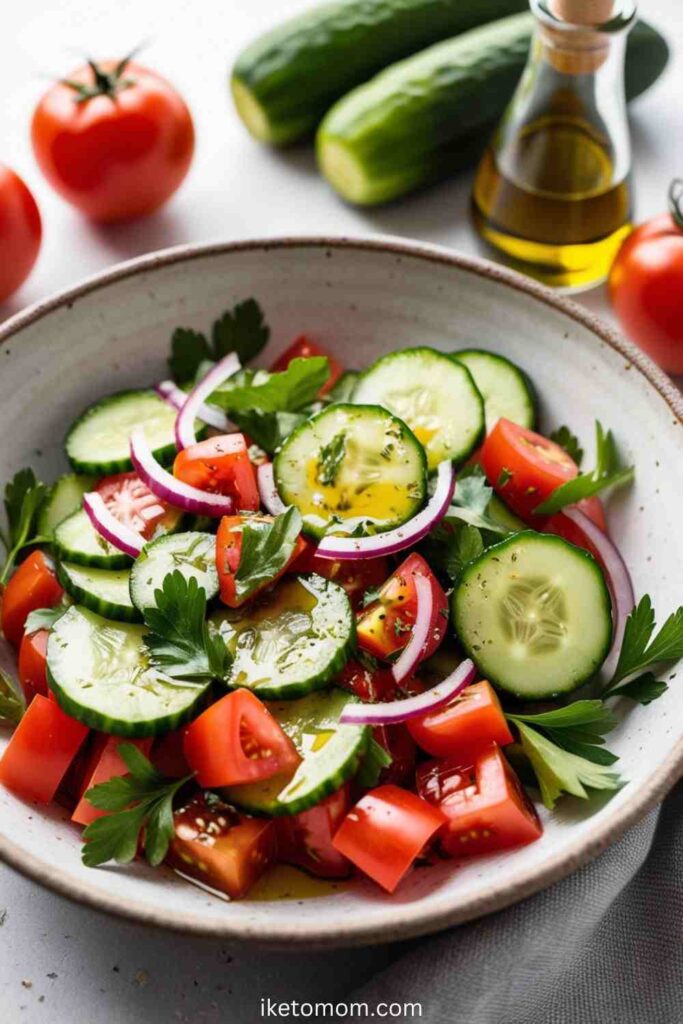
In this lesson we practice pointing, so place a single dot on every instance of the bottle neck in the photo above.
(578, 36)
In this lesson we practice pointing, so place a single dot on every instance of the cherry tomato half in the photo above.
(524, 468)
(40, 751)
(462, 730)
(33, 664)
(562, 526)
(384, 627)
(237, 740)
(33, 585)
(304, 348)
(20, 232)
(646, 285)
(135, 506)
(229, 551)
(219, 847)
(221, 465)
(305, 839)
(114, 139)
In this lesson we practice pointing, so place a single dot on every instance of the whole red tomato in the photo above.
(114, 139)
(20, 232)
(646, 285)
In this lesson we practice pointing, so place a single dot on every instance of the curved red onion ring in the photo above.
(618, 581)
(166, 486)
(412, 707)
(184, 424)
(270, 499)
(341, 548)
(120, 536)
(413, 652)
(209, 414)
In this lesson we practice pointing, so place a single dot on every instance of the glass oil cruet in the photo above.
(553, 190)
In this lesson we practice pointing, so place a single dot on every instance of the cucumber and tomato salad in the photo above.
(297, 654)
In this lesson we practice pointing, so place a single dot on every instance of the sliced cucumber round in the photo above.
(433, 394)
(100, 674)
(292, 640)
(534, 614)
(99, 441)
(331, 755)
(352, 469)
(66, 497)
(102, 590)
(76, 540)
(194, 554)
(506, 390)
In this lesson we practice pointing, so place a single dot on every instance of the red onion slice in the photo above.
(340, 548)
(168, 488)
(209, 414)
(120, 536)
(618, 581)
(413, 652)
(412, 707)
(184, 425)
(270, 499)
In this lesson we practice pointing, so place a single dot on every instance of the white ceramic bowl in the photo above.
(361, 299)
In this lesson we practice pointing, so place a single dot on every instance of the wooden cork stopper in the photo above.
(578, 52)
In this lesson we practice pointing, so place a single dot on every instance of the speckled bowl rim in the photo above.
(409, 921)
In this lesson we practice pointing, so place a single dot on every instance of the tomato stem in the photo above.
(105, 83)
(676, 201)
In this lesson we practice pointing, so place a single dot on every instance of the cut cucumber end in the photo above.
(345, 173)
(253, 116)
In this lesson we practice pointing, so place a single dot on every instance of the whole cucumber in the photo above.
(432, 114)
(285, 82)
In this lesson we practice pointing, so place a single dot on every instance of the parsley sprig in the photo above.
(25, 496)
(180, 643)
(242, 330)
(266, 550)
(643, 650)
(140, 803)
(608, 472)
(289, 390)
(564, 437)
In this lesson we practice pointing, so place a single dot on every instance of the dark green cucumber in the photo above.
(505, 388)
(66, 497)
(284, 83)
(331, 755)
(534, 614)
(99, 673)
(292, 641)
(102, 590)
(432, 114)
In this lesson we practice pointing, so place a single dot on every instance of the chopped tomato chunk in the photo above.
(384, 627)
(237, 740)
(462, 730)
(105, 763)
(40, 751)
(220, 465)
(134, 505)
(168, 755)
(228, 553)
(485, 804)
(33, 664)
(218, 847)
(523, 467)
(305, 839)
(33, 585)
(304, 348)
(385, 832)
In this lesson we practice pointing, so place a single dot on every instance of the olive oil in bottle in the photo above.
(553, 191)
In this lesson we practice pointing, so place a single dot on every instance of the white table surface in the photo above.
(60, 962)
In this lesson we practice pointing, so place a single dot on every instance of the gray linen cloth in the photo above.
(604, 946)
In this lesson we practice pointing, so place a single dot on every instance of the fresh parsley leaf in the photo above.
(12, 703)
(589, 714)
(503, 477)
(560, 771)
(564, 437)
(370, 595)
(608, 472)
(180, 643)
(24, 498)
(643, 689)
(375, 760)
(642, 650)
(189, 349)
(242, 330)
(471, 501)
(266, 550)
(288, 391)
(330, 459)
(44, 618)
(267, 429)
(465, 545)
(141, 802)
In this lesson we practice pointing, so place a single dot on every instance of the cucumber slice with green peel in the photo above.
(534, 614)
(77, 541)
(434, 395)
(331, 755)
(352, 469)
(66, 497)
(505, 517)
(291, 641)
(100, 674)
(105, 591)
(194, 554)
(98, 443)
(506, 390)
